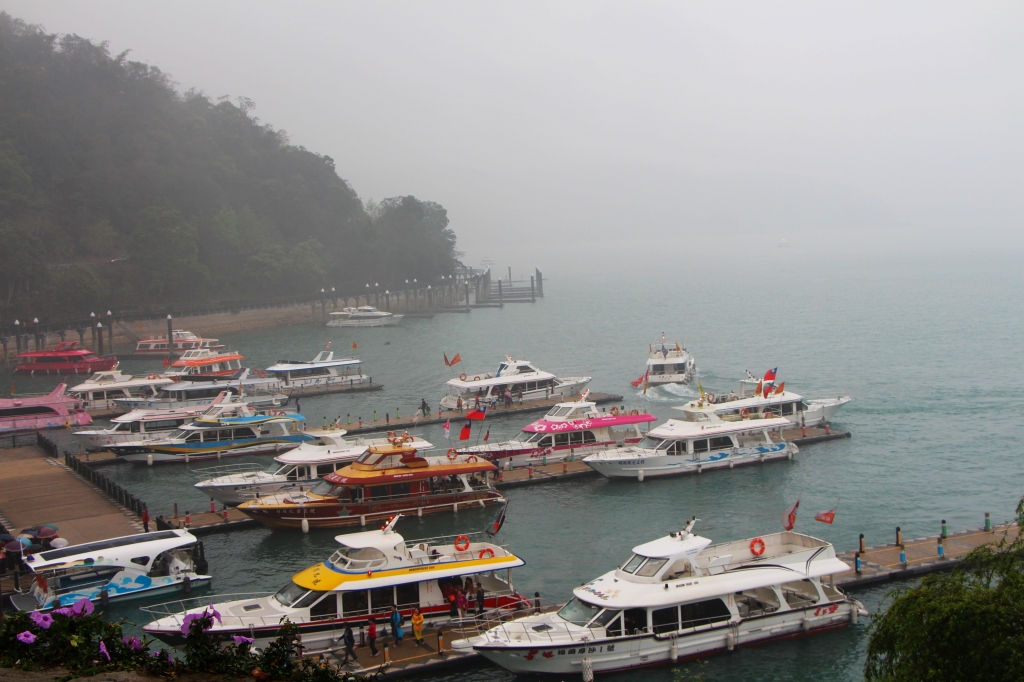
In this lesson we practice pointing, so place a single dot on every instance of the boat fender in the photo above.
(462, 543)
(452, 454)
(462, 377)
(757, 546)
(486, 550)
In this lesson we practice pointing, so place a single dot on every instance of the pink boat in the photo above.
(42, 412)
(569, 431)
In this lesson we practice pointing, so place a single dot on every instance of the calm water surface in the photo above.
(928, 349)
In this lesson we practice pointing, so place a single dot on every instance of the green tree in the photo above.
(964, 625)
(166, 249)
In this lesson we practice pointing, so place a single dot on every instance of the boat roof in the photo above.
(338, 449)
(56, 395)
(673, 350)
(243, 421)
(788, 557)
(740, 403)
(677, 428)
(205, 356)
(115, 379)
(323, 359)
(392, 468)
(112, 551)
(62, 349)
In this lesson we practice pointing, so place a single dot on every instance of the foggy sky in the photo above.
(564, 134)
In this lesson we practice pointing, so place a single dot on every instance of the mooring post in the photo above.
(899, 536)
(943, 533)
(499, 292)
(862, 549)
(467, 296)
(533, 295)
(540, 283)
(988, 522)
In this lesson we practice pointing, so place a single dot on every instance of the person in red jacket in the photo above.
(371, 636)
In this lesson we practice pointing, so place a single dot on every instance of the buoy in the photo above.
(455, 507)
(805, 624)
(730, 641)
(731, 463)
(673, 651)
(362, 519)
(305, 525)
(588, 670)
(854, 614)
(419, 512)
(640, 474)
(186, 457)
(149, 459)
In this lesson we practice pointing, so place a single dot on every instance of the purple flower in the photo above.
(133, 642)
(43, 620)
(213, 612)
(103, 650)
(26, 637)
(83, 607)
(239, 639)
(66, 612)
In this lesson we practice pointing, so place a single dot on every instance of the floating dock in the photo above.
(304, 391)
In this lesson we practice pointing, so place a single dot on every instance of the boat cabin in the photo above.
(205, 361)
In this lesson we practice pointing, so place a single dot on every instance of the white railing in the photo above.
(227, 470)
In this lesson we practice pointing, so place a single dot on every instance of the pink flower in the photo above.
(66, 612)
(103, 650)
(240, 639)
(83, 607)
(26, 637)
(43, 620)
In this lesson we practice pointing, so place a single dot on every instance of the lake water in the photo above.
(929, 350)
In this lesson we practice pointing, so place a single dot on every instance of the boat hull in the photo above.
(143, 451)
(612, 655)
(99, 365)
(47, 421)
(388, 321)
(141, 586)
(650, 466)
(341, 515)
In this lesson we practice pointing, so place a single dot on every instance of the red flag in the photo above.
(464, 434)
(354, 345)
(789, 520)
(781, 388)
(636, 384)
(165, 361)
(446, 360)
(448, 428)
(827, 516)
(767, 390)
(478, 414)
(487, 435)
(457, 359)
(769, 376)
(757, 391)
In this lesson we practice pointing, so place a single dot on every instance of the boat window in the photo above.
(700, 445)
(649, 443)
(802, 406)
(665, 620)
(324, 469)
(578, 612)
(545, 442)
(799, 593)
(408, 595)
(325, 609)
(651, 567)
(125, 426)
(23, 411)
(290, 594)
(324, 488)
(531, 385)
(657, 369)
(243, 433)
(376, 492)
(192, 437)
(561, 439)
(721, 442)
(526, 437)
(633, 563)
(559, 411)
(678, 447)
(681, 368)
(178, 433)
(604, 618)
(294, 474)
(163, 424)
(635, 621)
(788, 408)
(525, 369)
(576, 438)
(703, 612)
(589, 437)
(354, 603)
(381, 599)
(141, 560)
(399, 489)
(614, 628)
(358, 558)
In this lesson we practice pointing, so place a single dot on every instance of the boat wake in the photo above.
(667, 393)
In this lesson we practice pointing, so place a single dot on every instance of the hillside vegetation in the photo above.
(117, 190)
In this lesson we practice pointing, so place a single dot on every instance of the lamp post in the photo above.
(376, 295)
(35, 331)
(17, 336)
(323, 304)
(92, 318)
(334, 298)
(367, 296)
(387, 299)
(430, 297)
(99, 334)
(110, 330)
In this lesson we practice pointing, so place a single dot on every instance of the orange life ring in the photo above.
(153, 376)
(633, 413)
(452, 454)
(472, 459)
(406, 438)
(757, 546)
(260, 374)
(744, 413)
(462, 543)
(614, 411)
(476, 378)
(391, 434)
(486, 550)
(462, 377)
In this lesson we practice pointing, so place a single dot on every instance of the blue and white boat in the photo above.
(131, 566)
(197, 391)
(683, 447)
(215, 437)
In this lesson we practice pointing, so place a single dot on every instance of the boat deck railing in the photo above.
(179, 607)
(227, 470)
(503, 618)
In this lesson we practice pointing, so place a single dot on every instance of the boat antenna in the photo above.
(689, 527)
(390, 526)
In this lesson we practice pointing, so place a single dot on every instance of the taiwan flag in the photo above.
(827, 516)
(464, 434)
(789, 520)
(447, 428)
(769, 376)
(478, 413)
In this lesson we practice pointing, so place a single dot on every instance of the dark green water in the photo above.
(929, 350)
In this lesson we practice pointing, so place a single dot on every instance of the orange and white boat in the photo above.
(204, 362)
(384, 481)
(181, 341)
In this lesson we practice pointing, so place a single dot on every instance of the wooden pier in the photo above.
(440, 417)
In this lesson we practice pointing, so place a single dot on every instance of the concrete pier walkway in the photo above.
(37, 489)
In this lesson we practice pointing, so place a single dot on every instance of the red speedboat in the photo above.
(67, 358)
(42, 412)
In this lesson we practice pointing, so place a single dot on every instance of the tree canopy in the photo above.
(118, 190)
(961, 626)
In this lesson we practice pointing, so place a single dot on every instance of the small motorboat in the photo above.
(669, 363)
(383, 481)
(67, 358)
(676, 598)
(363, 316)
(369, 572)
(296, 470)
(131, 566)
(56, 409)
(521, 378)
(182, 341)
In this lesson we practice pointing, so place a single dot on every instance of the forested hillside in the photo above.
(117, 190)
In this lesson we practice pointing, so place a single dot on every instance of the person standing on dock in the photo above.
(349, 640)
(458, 404)
(424, 407)
(371, 637)
(396, 624)
(145, 519)
(417, 626)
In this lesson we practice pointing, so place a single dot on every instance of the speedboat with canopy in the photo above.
(521, 378)
(139, 565)
(297, 470)
(363, 578)
(675, 598)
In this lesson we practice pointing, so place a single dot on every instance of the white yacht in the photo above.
(750, 403)
(516, 376)
(569, 431)
(139, 565)
(679, 597)
(682, 447)
(366, 575)
(669, 363)
(363, 316)
(100, 390)
(195, 391)
(323, 371)
(302, 467)
(181, 341)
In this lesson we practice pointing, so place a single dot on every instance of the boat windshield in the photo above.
(557, 411)
(323, 488)
(645, 567)
(290, 594)
(653, 443)
(358, 558)
(578, 612)
(276, 468)
(528, 437)
(178, 433)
